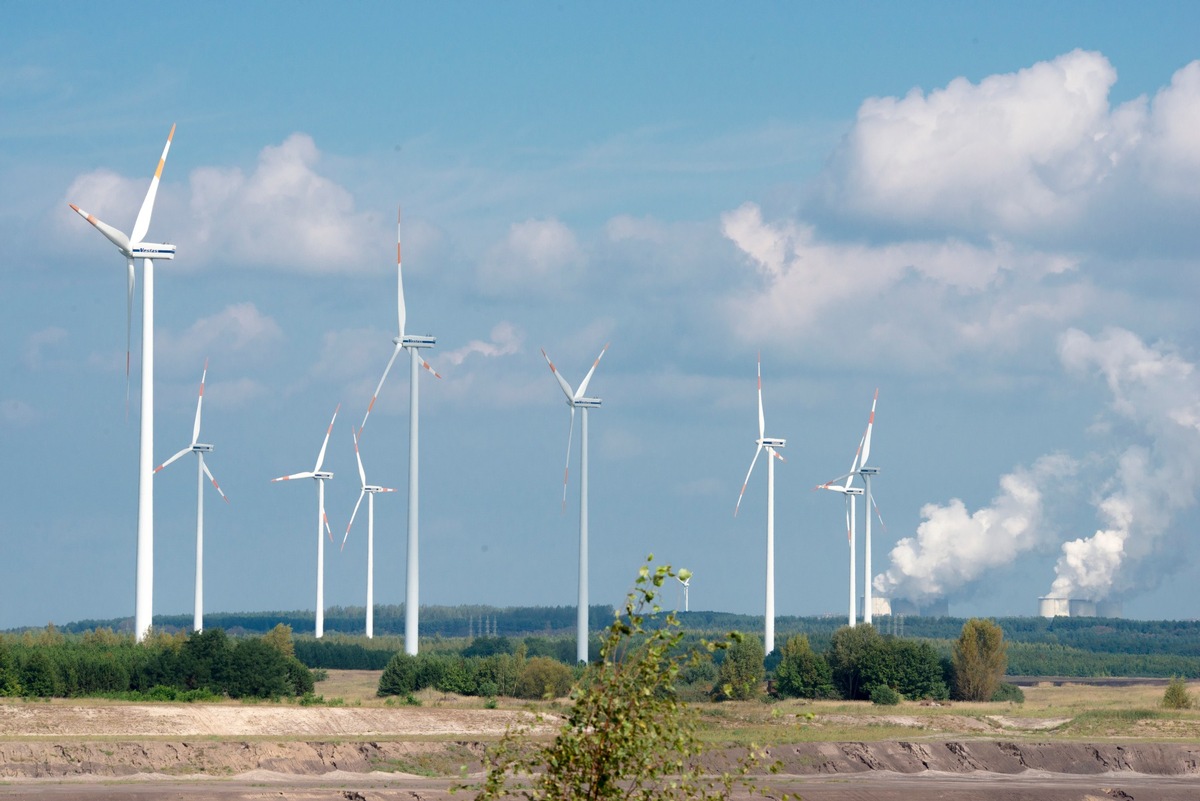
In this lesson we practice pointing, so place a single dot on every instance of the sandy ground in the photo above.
(366, 750)
(115, 720)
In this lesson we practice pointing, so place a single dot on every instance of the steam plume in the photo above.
(1158, 392)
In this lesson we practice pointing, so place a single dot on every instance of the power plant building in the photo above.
(1077, 607)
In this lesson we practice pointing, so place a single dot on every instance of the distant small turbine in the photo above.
(772, 446)
(686, 582)
(851, 535)
(201, 471)
(577, 399)
(369, 490)
(321, 476)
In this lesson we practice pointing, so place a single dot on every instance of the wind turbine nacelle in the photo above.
(372, 488)
(416, 341)
(323, 474)
(586, 403)
(152, 250)
(772, 442)
(853, 490)
(201, 448)
(869, 471)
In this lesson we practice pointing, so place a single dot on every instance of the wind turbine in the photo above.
(414, 343)
(772, 446)
(576, 399)
(369, 490)
(201, 471)
(851, 535)
(686, 582)
(321, 476)
(859, 468)
(133, 247)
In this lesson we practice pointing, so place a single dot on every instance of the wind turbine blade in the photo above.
(562, 382)
(854, 465)
(401, 311)
(379, 386)
(325, 444)
(776, 454)
(583, 386)
(762, 422)
(199, 403)
(849, 500)
(188, 449)
(567, 468)
(866, 454)
(878, 514)
(113, 235)
(216, 486)
(328, 530)
(143, 219)
(352, 516)
(362, 474)
(305, 474)
(833, 483)
(427, 366)
(757, 451)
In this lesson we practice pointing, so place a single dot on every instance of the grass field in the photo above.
(1066, 712)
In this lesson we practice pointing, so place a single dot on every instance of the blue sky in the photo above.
(985, 210)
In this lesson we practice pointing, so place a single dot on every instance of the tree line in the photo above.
(163, 667)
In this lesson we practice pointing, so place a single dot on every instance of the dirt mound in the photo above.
(1159, 759)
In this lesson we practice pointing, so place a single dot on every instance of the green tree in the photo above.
(741, 674)
(628, 735)
(918, 670)
(802, 673)
(399, 677)
(256, 669)
(280, 638)
(850, 650)
(979, 660)
(543, 677)
(9, 684)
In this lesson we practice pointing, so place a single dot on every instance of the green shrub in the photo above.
(1009, 692)
(1177, 696)
(884, 695)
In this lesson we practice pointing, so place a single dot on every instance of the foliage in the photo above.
(280, 638)
(1177, 696)
(543, 677)
(801, 673)
(105, 664)
(741, 673)
(883, 695)
(853, 649)
(979, 660)
(1009, 692)
(918, 670)
(628, 735)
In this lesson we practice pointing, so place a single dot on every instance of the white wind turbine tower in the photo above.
(772, 446)
(866, 473)
(202, 470)
(578, 400)
(133, 247)
(851, 534)
(370, 491)
(414, 343)
(321, 476)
